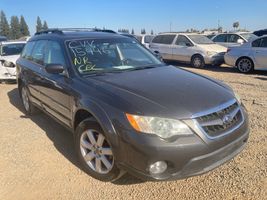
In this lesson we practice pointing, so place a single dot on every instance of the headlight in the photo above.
(211, 53)
(163, 127)
(8, 64)
(238, 99)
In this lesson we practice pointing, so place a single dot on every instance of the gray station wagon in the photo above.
(128, 111)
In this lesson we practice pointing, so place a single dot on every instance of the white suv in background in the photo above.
(190, 48)
(145, 39)
(9, 53)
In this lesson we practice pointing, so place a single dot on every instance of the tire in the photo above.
(95, 152)
(245, 65)
(29, 108)
(197, 61)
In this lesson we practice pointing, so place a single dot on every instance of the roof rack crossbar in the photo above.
(62, 30)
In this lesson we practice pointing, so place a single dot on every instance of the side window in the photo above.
(220, 38)
(232, 38)
(54, 54)
(157, 39)
(183, 41)
(263, 43)
(167, 39)
(26, 53)
(256, 43)
(38, 52)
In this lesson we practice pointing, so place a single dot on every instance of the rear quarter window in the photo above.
(26, 53)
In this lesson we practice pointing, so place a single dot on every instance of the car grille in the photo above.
(220, 122)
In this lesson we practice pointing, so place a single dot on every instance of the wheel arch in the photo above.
(237, 60)
(97, 114)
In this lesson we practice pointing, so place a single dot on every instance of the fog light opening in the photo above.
(158, 167)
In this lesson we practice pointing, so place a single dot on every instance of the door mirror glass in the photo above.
(54, 68)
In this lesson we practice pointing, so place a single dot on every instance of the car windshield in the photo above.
(249, 36)
(12, 49)
(200, 39)
(109, 55)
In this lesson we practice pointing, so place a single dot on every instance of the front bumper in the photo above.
(185, 156)
(214, 60)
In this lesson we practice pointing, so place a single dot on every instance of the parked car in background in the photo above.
(190, 48)
(9, 53)
(249, 56)
(260, 33)
(233, 39)
(3, 38)
(127, 110)
(145, 39)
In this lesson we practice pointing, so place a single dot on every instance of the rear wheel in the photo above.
(95, 152)
(197, 61)
(245, 65)
(28, 107)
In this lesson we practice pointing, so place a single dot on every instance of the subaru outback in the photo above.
(128, 111)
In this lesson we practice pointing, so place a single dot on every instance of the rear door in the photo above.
(182, 50)
(32, 67)
(163, 45)
(221, 39)
(259, 49)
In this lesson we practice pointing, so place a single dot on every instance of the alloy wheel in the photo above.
(96, 151)
(25, 98)
(245, 65)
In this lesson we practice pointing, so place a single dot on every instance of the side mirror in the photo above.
(240, 41)
(54, 68)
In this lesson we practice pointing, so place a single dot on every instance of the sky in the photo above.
(159, 15)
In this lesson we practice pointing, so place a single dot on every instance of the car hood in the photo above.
(162, 91)
(213, 47)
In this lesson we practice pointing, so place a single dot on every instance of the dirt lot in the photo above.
(37, 160)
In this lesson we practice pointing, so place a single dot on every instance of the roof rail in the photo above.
(62, 30)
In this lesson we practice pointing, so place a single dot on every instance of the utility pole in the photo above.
(170, 26)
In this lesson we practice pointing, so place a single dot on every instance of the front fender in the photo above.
(101, 116)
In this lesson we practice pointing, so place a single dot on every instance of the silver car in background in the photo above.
(249, 56)
(233, 39)
(190, 48)
(9, 53)
(145, 39)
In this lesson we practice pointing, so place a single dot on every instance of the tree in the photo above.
(45, 26)
(4, 26)
(152, 32)
(220, 29)
(143, 31)
(235, 25)
(38, 24)
(24, 29)
(14, 28)
(132, 32)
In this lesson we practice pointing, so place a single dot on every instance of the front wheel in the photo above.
(197, 61)
(95, 152)
(245, 65)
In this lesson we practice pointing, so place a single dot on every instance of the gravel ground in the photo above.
(37, 160)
